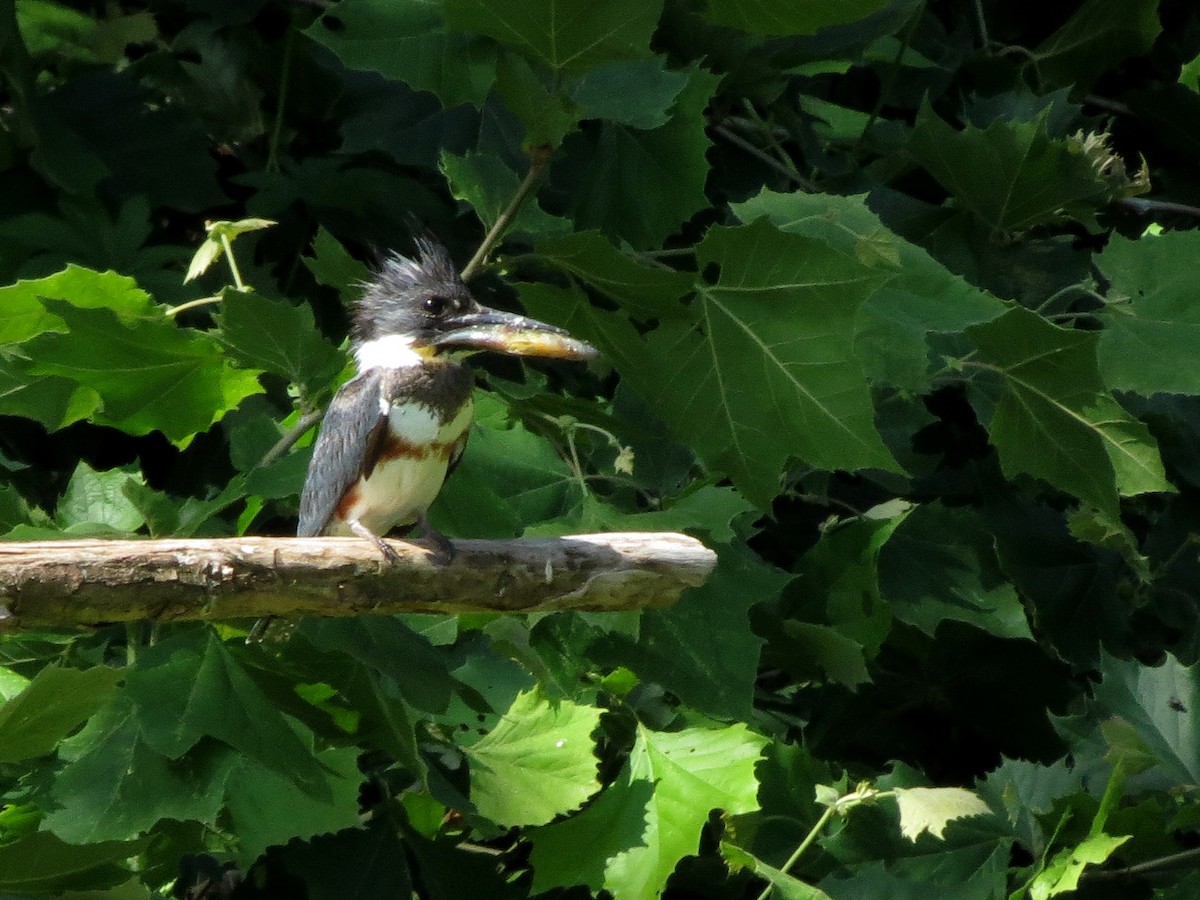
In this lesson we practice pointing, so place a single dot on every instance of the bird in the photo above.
(397, 428)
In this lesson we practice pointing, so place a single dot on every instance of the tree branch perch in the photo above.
(92, 582)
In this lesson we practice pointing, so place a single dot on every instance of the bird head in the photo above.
(419, 308)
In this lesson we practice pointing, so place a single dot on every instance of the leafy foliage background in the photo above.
(898, 312)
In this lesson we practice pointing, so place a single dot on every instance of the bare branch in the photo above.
(90, 582)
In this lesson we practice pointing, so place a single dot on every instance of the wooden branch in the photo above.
(91, 582)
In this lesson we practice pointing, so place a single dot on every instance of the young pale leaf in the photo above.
(537, 763)
(564, 35)
(931, 809)
(1011, 175)
(409, 42)
(1064, 871)
(150, 374)
(1148, 344)
(53, 705)
(1055, 421)
(278, 337)
(206, 254)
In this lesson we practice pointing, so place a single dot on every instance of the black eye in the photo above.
(435, 305)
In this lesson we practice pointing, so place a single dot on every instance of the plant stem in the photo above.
(306, 421)
(284, 78)
(192, 304)
(841, 805)
(233, 266)
(766, 158)
(537, 167)
(804, 845)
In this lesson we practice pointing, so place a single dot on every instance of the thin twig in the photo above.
(284, 77)
(1145, 207)
(1187, 858)
(536, 169)
(306, 421)
(766, 158)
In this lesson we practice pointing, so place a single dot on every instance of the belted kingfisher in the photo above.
(395, 430)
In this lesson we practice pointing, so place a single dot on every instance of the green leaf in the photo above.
(389, 646)
(609, 174)
(838, 656)
(1064, 871)
(644, 291)
(537, 763)
(150, 374)
(488, 184)
(675, 647)
(564, 35)
(931, 809)
(788, 17)
(508, 479)
(765, 371)
(842, 572)
(894, 322)
(115, 786)
(1055, 421)
(409, 42)
(25, 315)
(53, 401)
(42, 864)
(100, 498)
(629, 840)
(1012, 175)
(191, 695)
(333, 266)
(54, 704)
(278, 337)
(537, 100)
(635, 92)
(1148, 343)
(1099, 36)
(1162, 703)
(787, 887)
(267, 808)
(940, 563)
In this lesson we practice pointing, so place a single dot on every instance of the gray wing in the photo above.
(349, 436)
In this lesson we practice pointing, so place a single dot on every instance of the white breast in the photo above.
(410, 472)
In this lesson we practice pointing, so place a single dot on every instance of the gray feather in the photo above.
(340, 450)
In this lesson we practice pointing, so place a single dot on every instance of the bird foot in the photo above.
(444, 551)
(390, 555)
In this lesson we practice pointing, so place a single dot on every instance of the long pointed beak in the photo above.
(492, 329)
